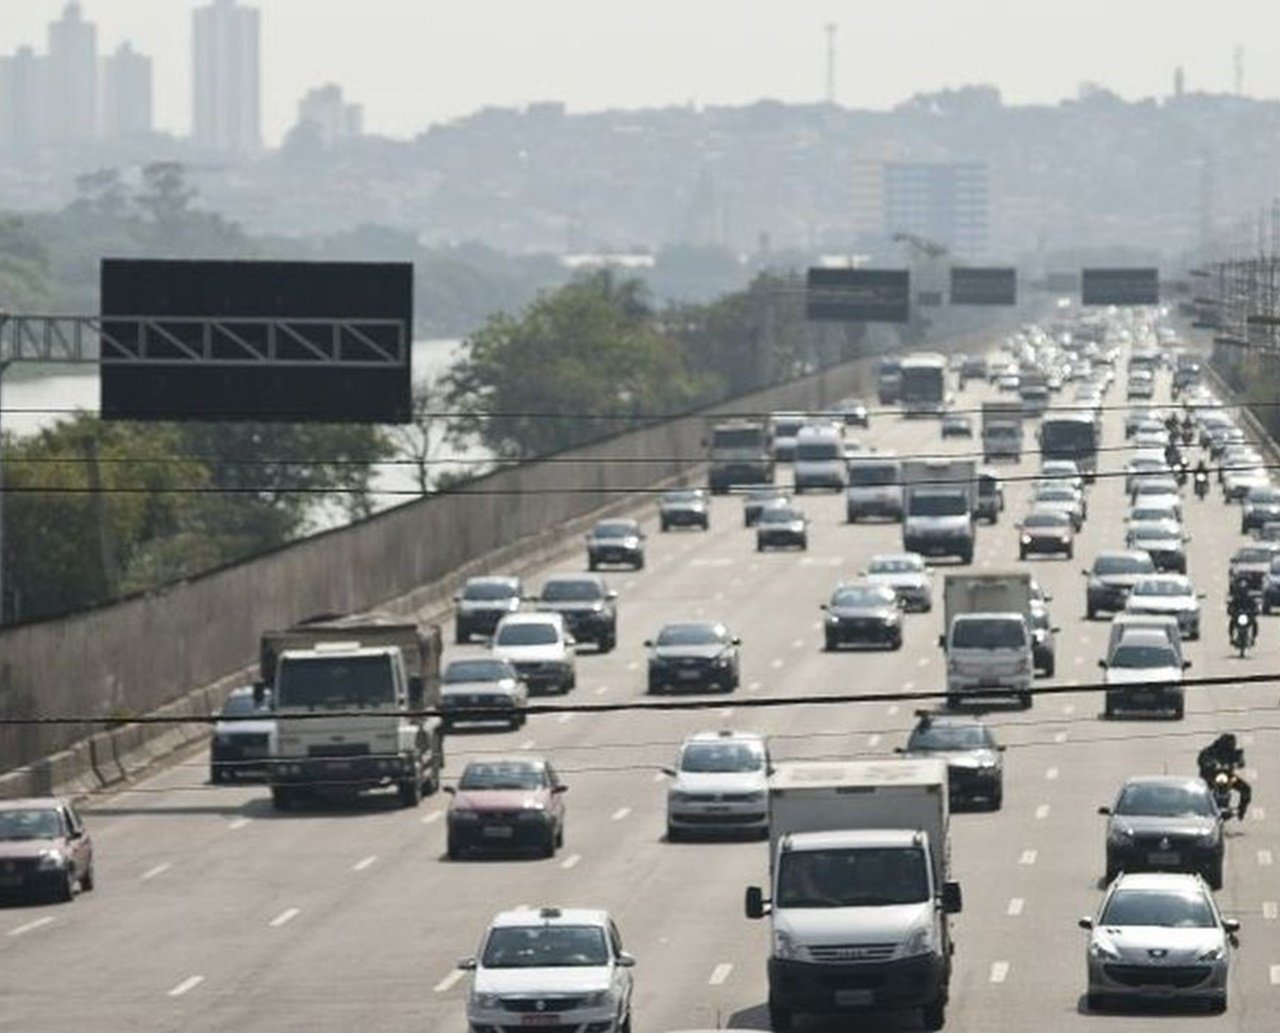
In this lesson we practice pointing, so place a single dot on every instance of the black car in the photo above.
(975, 767)
(483, 602)
(695, 655)
(863, 613)
(1110, 579)
(587, 605)
(1166, 823)
(240, 747)
(758, 499)
(616, 542)
(957, 425)
(1046, 532)
(782, 526)
(684, 507)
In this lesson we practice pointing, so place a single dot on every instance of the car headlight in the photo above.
(1102, 949)
(1026, 539)
(832, 619)
(598, 999)
(1119, 834)
(785, 946)
(486, 1001)
(51, 860)
(1212, 954)
(723, 660)
(1066, 538)
(919, 942)
(987, 765)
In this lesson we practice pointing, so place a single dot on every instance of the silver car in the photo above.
(907, 575)
(720, 784)
(1159, 936)
(483, 689)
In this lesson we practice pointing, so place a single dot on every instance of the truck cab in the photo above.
(938, 500)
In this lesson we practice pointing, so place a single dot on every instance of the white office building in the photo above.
(126, 94)
(71, 79)
(226, 79)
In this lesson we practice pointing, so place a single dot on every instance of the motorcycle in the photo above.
(1226, 794)
(1180, 473)
(1242, 633)
(1202, 485)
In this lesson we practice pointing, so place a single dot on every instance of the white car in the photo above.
(1147, 661)
(482, 689)
(1062, 498)
(1159, 935)
(1157, 491)
(1141, 465)
(1063, 471)
(1237, 482)
(550, 968)
(1171, 594)
(907, 575)
(720, 783)
(539, 647)
(1150, 512)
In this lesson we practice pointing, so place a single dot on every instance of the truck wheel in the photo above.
(411, 791)
(281, 797)
(933, 1016)
(779, 1017)
(217, 774)
(953, 701)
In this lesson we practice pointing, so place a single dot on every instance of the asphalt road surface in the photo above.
(214, 913)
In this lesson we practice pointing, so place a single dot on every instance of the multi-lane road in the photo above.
(213, 912)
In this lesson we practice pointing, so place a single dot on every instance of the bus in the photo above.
(924, 384)
(1071, 436)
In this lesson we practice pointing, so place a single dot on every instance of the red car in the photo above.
(507, 803)
(45, 849)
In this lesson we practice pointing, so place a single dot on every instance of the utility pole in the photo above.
(830, 29)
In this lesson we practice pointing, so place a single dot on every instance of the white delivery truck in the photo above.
(939, 497)
(988, 639)
(860, 889)
(819, 460)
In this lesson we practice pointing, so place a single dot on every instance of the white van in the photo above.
(819, 459)
(989, 653)
(874, 488)
(784, 427)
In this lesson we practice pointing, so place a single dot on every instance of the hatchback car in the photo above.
(1164, 823)
(616, 542)
(1065, 499)
(1159, 936)
(552, 968)
(1144, 672)
(720, 784)
(975, 767)
(1163, 541)
(863, 613)
(483, 602)
(540, 648)
(45, 850)
(1172, 594)
(782, 526)
(1110, 579)
(240, 746)
(482, 689)
(907, 574)
(760, 498)
(693, 655)
(587, 604)
(684, 507)
(1261, 504)
(506, 803)
(1046, 532)
(1064, 470)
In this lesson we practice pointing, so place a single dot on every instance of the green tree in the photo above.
(24, 268)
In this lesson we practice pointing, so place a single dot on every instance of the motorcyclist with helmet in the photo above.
(1224, 757)
(1241, 601)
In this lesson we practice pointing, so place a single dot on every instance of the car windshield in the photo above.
(1150, 533)
(688, 635)
(1165, 801)
(488, 590)
(1132, 657)
(526, 635)
(988, 633)
(681, 496)
(872, 474)
(895, 565)
(477, 670)
(335, 681)
(818, 451)
(1161, 587)
(1123, 565)
(1046, 520)
(1169, 908)
(1056, 495)
(863, 596)
(546, 946)
(1253, 556)
(243, 705)
(940, 736)
(868, 877)
(950, 503)
(779, 515)
(571, 591)
(1140, 514)
(502, 774)
(721, 757)
(1265, 495)
(614, 529)
(30, 823)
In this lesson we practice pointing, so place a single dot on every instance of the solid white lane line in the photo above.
(28, 927)
(238, 823)
(285, 917)
(1042, 812)
(1027, 857)
(620, 813)
(571, 861)
(719, 974)
(1275, 975)
(1059, 736)
(1264, 857)
(432, 818)
(449, 981)
(1051, 774)
(188, 984)
(159, 869)
(1270, 910)
(873, 740)
(1015, 907)
(999, 971)
(364, 863)
(775, 664)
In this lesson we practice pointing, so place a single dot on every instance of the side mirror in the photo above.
(1055, 629)
(625, 960)
(1048, 598)
(1102, 664)
(899, 749)
(457, 597)
(1085, 922)
(570, 641)
(736, 641)
(451, 790)
(671, 772)
(755, 902)
(1104, 810)
(952, 898)
(1231, 925)
(1085, 573)
(822, 606)
(942, 641)
(611, 595)
(561, 788)
(1202, 595)
(1186, 665)
(648, 643)
(467, 964)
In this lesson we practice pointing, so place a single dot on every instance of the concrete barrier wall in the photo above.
(183, 646)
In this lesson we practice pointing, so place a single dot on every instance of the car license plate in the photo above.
(1164, 857)
(544, 1019)
(850, 998)
(715, 808)
(498, 831)
(689, 674)
(338, 765)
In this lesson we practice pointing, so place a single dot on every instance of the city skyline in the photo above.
(410, 64)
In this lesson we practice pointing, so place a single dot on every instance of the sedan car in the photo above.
(1261, 504)
(1159, 936)
(720, 784)
(684, 507)
(863, 613)
(1171, 594)
(1238, 481)
(45, 850)
(1046, 532)
(1166, 823)
(1144, 673)
(1148, 463)
(781, 526)
(696, 655)
(975, 768)
(1147, 512)
(240, 746)
(1163, 541)
(907, 574)
(957, 425)
(483, 602)
(587, 604)
(482, 689)
(1157, 491)
(1062, 470)
(1111, 577)
(506, 803)
(758, 499)
(1063, 498)
(616, 542)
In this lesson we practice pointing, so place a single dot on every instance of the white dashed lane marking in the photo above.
(798, 644)
(893, 709)
(1270, 910)
(753, 686)
(364, 862)
(564, 719)
(449, 981)
(237, 823)
(186, 986)
(284, 918)
(1015, 907)
(1059, 736)
(159, 869)
(1042, 812)
(1275, 975)
(432, 818)
(924, 661)
(908, 686)
(1257, 813)
(775, 664)
(1027, 857)
(1051, 774)
(1068, 708)
(659, 776)
(999, 971)
(634, 665)
(527, 744)
(719, 974)
(873, 740)
(32, 926)
(620, 813)
(1264, 857)
(571, 861)
(601, 690)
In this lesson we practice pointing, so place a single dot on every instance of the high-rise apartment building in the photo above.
(126, 94)
(22, 103)
(328, 112)
(946, 202)
(71, 79)
(226, 90)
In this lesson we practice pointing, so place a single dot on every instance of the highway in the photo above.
(213, 912)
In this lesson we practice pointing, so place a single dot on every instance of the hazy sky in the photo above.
(412, 62)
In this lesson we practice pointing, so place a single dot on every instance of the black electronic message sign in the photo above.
(973, 285)
(1120, 286)
(858, 295)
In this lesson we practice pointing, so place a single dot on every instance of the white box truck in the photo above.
(988, 637)
(939, 497)
(860, 889)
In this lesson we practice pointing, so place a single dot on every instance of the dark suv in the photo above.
(587, 605)
(483, 602)
(618, 542)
